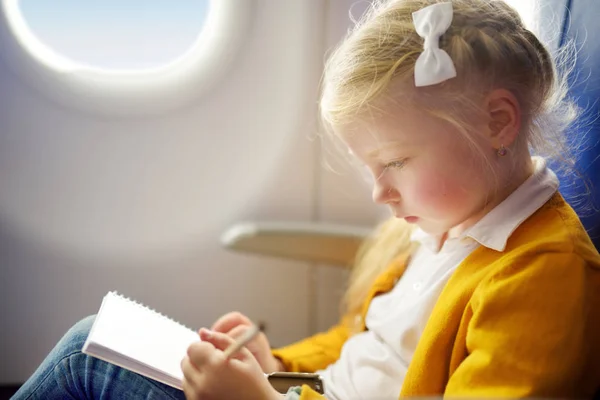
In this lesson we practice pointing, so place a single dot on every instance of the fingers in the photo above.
(200, 353)
(189, 391)
(230, 321)
(189, 370)
(238, 331)
(202, 357)
(222, 341)
(192, 379)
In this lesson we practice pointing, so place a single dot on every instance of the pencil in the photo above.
(241, 342)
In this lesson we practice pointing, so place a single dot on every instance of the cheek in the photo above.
(439, 193)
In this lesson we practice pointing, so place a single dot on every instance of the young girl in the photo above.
(483, 284)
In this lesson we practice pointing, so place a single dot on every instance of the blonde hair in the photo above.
(490, 48)
(389, 240)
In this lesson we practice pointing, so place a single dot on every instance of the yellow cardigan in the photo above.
(524, 322)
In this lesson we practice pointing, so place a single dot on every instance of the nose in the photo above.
(384, 193)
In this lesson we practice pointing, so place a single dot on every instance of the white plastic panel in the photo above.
(136, 201)
(106, 188)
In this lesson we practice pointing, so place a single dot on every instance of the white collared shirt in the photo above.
(373, 363)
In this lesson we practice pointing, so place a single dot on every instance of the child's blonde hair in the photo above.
(490, 48)
(389, 240)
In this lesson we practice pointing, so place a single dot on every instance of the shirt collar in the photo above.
(494, 229)
(432, 242)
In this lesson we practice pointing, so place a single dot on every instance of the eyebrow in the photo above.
(387, 146)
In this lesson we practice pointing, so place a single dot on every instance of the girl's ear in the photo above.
(504, 117)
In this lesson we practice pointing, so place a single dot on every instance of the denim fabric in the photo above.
(67, 373)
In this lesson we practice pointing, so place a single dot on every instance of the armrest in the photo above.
(303, 241)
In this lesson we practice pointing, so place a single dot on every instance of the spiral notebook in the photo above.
(135, 337)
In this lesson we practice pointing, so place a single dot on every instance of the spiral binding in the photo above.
(146, 309)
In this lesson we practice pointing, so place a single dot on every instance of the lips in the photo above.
(409, 218)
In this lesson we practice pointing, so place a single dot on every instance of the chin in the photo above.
(431, 229)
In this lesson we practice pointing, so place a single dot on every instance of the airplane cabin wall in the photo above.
(92, 202)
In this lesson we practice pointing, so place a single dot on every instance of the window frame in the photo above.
(127, 92)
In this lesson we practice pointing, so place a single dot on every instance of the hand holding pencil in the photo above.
(220, 367)
(235, 325)
(242, 341)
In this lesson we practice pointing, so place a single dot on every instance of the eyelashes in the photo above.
(376, 173)
(397, 164)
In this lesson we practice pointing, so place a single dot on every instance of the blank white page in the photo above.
(139, 339)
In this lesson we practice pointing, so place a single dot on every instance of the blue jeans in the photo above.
(67, 373)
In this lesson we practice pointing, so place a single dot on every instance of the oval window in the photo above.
(117, 57)
(116, 34)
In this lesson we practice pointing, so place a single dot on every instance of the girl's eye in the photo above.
(395, 164)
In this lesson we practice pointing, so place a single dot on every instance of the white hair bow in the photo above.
(434, 65)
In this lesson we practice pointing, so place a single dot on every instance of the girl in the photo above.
(483, 284)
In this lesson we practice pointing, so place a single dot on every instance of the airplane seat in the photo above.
(336, 244)
(578, 20)
(580, 26)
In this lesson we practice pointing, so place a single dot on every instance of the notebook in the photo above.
(137, 338)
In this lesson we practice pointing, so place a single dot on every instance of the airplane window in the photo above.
(116, 34)
(116, 57)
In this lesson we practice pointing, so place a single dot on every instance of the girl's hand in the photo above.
(234, 325)
(208, 375)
